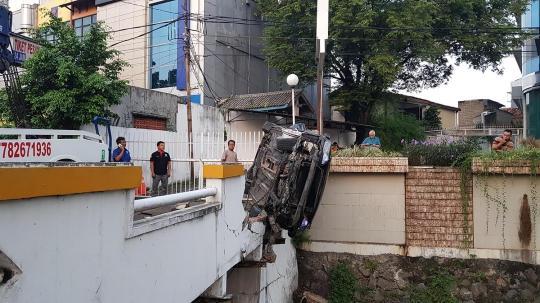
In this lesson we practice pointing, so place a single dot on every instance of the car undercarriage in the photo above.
(287, 178)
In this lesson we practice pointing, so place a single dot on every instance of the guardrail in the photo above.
(180, 180)
(155, 202)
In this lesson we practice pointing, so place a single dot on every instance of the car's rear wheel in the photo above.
(286, 144)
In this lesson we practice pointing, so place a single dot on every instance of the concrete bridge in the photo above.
(67, 234)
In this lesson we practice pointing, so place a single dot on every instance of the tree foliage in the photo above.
(377, 46)
(69, 81)
(395, 127)
(432, 118)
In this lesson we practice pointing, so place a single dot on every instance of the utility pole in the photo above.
(187, 46)
(322, 36)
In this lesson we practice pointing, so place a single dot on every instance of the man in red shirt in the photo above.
(160, 166)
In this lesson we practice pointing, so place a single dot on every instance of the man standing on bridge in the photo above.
(160, 166)
(121, 154)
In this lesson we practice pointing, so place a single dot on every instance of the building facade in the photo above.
(224, 43)
(526, 90)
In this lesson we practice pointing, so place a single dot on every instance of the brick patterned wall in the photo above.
(469, 110)
(433, 212)
(150, 123)
(369, 165)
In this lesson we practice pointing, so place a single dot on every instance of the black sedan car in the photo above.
(289, 174)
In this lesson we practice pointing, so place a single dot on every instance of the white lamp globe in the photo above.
(292, 80)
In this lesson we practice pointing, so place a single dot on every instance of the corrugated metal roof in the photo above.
(263, 100)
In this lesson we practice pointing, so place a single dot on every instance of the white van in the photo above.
(50, 145)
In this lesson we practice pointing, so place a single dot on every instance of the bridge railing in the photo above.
(155, 202)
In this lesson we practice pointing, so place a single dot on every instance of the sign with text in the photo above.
(23, 49)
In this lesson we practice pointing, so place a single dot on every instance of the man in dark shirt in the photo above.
(160, 166)
(503, 143)
(121, 154)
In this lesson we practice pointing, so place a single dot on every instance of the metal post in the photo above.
(524, 112)
(320, 94)
(187, 46)
(293, 120)
(321, 36)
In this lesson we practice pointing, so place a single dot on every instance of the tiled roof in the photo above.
(420, 101)
(513, 110)
(263, 100)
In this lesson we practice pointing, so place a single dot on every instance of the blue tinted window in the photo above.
(531, 18)
(531, 66)
(163, 50)
(535, 12)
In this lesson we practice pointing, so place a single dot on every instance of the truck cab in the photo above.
(49, 145)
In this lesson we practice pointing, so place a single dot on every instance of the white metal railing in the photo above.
(180, 179)
(155, 202)
(207, 148)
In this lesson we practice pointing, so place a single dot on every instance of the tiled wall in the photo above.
(435, 216)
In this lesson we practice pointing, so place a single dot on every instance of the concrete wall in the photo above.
(147, 103)
(204, 118)
(494, 227)
(469, 110)
(362, 207)
(255, 285)
(448, 118)
(85, 248)
(233, 59)
(63, 12)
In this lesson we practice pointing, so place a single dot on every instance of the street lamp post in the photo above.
(292, 80)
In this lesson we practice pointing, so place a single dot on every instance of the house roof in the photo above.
(420, 101)
(310, 122)
(265, 101)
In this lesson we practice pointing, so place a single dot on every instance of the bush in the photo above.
(343, 284)
(437, 290)
(300, 239)
(364, 152)
(396, 126)
(529, 142)
(432, 118)
(439, 152)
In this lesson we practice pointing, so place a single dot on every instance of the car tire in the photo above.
(267, 126)
(286, 144)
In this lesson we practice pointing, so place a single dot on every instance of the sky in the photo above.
(467, 83)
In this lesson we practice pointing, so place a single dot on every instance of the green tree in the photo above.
(432, 118)
(379, 46)
(395, 127)
(69, 81)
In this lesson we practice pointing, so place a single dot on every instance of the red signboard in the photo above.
(23, 49)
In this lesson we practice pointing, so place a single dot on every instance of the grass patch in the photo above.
(437, 290)
(371, 265)
(302, 238)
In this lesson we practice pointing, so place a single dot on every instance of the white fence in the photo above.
(207, 148)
